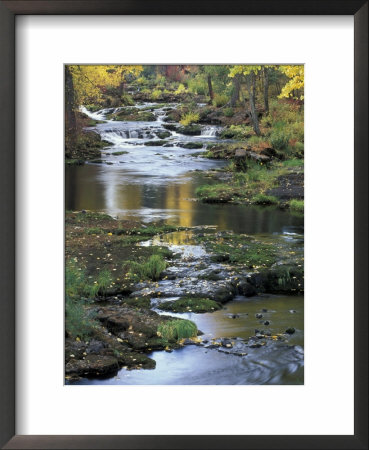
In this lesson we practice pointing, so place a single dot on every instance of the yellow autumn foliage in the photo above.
(296, 82)
(88, 80)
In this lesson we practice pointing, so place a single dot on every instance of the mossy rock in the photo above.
(191, 145)
(190, 130)
(196, 305)
(119, 153)
(74, 162)
(163, 134)
(283, 279)
(171, 126)
(139, 303)
(156, 143)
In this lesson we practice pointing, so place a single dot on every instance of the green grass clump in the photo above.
(79, 323)
(94, 230)
(297, 205)
(91, 216)
(104, 281)
(177, 329)
(220, 100)
(150, 269)
(150, 230)
(189, 118)
(215, 193)
(263, 199)
(78, 286)
(196, 305)
(293, 163)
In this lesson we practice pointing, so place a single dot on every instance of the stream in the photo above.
(156, 182)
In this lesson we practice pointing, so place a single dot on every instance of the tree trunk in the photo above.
(251, 85)
(210, 86)
(236, 90)
(266, 90)
(70, 116)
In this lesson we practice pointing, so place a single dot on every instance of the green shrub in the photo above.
(160, 80)
(279, 140)
(228, 112)
(299, 146)
(197, 85)
(237, 132)
(127, 100)
(156, 94)
(220, 100)
(177, 329)
(189, 118)
(181, 89)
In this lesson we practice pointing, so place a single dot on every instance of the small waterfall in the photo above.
(209, 131)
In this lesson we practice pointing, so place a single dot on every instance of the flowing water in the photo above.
(155, 182)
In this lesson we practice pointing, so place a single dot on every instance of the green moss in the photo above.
(133, 115)
(150, 230)
(190, 130)
(138, 302)
(216, 193)
(155, 143)
(92, 122)
(119, 153)
(196, 305)
(90, 216)
(74, 162)
(239, 249)
(191, 145)
(297, 205)
(163, 134)
(263, 199)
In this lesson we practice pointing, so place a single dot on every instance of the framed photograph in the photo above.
(185, 224)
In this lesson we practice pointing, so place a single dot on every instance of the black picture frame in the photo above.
(8, 12)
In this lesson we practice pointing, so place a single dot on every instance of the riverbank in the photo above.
(262, 170)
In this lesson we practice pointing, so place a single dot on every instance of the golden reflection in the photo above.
(177, 198)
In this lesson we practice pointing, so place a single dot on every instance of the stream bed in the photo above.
(158, 182)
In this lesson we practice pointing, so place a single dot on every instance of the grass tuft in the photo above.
(176, 330)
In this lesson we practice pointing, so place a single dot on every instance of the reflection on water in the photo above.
(238, 317)
(113, 190)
